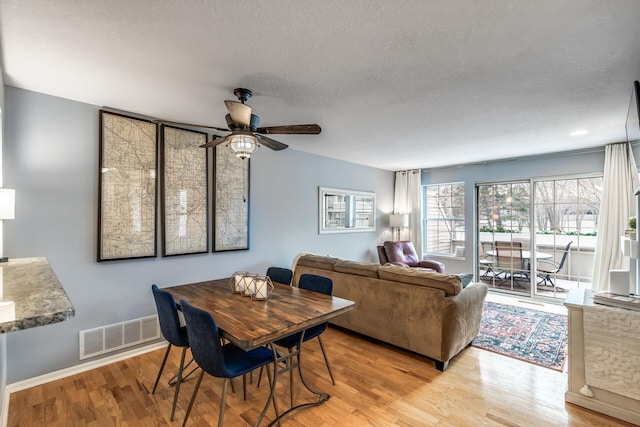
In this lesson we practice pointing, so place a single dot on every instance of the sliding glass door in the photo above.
(537, 237)
(566, 224)
(504, 234)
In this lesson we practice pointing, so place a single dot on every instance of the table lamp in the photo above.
(398, 221)
(7, 211)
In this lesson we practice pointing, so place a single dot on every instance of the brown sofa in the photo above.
(422, 311)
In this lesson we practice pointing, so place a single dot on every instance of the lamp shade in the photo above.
(399, 220)
(7, 203)
(243, 145)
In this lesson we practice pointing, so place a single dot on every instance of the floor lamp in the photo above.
(398, 221)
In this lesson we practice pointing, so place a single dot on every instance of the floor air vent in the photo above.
(105, 339)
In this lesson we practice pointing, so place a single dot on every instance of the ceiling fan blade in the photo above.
(271, 143)
(217, 140)
(168, 122)
(292, 129)
(240, 113)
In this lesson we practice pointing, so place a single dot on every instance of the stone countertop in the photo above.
(31, 295)
(578, 298)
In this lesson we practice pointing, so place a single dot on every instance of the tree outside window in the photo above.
(444, 230)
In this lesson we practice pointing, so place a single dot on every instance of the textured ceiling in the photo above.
(394, 84)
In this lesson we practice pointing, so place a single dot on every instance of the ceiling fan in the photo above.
(246, 136)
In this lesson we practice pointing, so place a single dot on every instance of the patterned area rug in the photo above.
(530, 335)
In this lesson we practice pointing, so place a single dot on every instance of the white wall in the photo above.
(51, 159)
(3, 338)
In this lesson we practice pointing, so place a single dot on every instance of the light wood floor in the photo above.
(376, 385)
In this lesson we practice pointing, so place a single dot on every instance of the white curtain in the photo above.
(408, 200)
(616, 206)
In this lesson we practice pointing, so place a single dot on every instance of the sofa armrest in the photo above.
(461, 318)
(429, 263)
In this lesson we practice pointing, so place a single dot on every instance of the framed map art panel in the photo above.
(231, 203)
(184, 182)
(128, 183)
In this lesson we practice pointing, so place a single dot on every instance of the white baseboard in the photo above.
(63, 373)
(632, 417)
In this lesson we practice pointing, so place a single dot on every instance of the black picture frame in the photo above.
(184, 180)
(231, 201)
(127, 196)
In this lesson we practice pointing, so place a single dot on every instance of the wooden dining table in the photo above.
(525, 254)
(250, 323)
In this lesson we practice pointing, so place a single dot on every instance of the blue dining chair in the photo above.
(174, 333)
(280, 275)
(323, 285)
(221, 361)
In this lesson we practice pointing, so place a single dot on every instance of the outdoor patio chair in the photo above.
(486, 258)
(547, 268)
(510, 262)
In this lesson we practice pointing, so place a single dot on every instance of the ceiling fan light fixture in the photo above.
(243, 146)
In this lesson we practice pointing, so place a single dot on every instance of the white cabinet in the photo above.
(578, 392)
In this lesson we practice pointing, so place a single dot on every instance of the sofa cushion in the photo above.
(318, 261)
(358, 268)
(450, 284)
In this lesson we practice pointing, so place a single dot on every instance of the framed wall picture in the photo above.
(231, 201)
(184, 180)
(346, 211)
(128, 185)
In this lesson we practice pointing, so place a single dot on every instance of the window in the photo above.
(504, 235)
(552, 223)
(444, 219)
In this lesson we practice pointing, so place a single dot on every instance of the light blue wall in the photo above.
(51, 159)
(560, 164)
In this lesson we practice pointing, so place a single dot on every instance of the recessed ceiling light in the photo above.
(579, 132)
